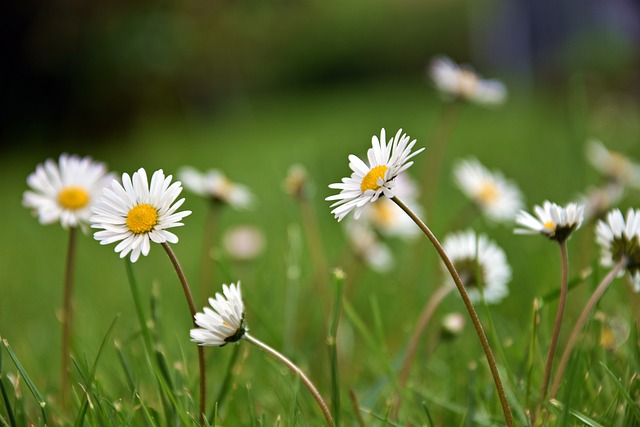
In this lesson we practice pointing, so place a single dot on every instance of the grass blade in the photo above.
(338, 277)
(32, 387)
(5, 397)
(623, 391)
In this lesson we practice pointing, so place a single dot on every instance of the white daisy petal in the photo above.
(553, 221)
(223, 324)
(214, 185)
(621, 240)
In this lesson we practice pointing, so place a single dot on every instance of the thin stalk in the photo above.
(470, 309)
(67, 318)
(425, 317)
(564, 288)
(310, 225)
(356, 407)
(573, 338)
(314, 392)
(339, 278)
(192, 308)
(208, 239)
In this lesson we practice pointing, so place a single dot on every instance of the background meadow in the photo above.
(252, 89)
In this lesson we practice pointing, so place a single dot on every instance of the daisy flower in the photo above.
(216, 186)
(368, 247)
(553, 221)
(388, 218)
(223, 324)
(481, 264)
(598, 200)
(462, 82)
(613, 165)
(67, 190)
(135, 213)
(497, 197)
(621, 239)
(371, 180)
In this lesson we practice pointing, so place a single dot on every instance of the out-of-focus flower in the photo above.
(453, 324)
(296, 182)
(613, 165)
(368, 247)
(598, 200)
(481, 264)
(244, 242)
(223, 324)
(369, 181)
(216, 186)
(388, 218)
(553, 221)
(462, 82)
(135, 213)
(620, 240)
(66, 191)
(496, 197)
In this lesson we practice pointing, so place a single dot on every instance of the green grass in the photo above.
(536, 141)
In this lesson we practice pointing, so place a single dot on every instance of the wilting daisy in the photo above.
(553, 221)
(388, 218)
(481, 264)
(462, 82)
(224, 321)
(67, 190)
(620, 240)
(497, 197)
(216, 186)
(375, 178)
(366, 245)
(135, 213)
(613, 165)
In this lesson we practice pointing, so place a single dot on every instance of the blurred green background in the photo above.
(251, 88)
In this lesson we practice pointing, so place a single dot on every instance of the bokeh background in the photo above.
(252, 87)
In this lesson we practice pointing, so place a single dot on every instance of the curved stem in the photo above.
(192, 309)
(558, 324)
(470, 309)
(67, 317)
(597, 294)
(316, 395)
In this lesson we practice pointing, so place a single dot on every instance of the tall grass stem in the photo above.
(314, 392)
(469, 306)
(339, 278)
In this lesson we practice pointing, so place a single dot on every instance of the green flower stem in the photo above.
(339, 278)
(564, 288)
(427, 313)
(67, 318)
(192, 309)
(472, 312)
(316, 395)
(312, 231)
(573, 338)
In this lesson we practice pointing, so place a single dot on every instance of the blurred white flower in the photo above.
(598, 200)
(613, 165)
(223, 324)
(453, 324)
(369, 181)
(462, 82)
(134, 213)
(481, 264)
(553, 221)
(244, 242)
(66, 191)
(496, 197)
(620, 240)
(216, 186)
(368, 247)
(388, 218)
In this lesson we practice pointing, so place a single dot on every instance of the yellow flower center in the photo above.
(467, 83)
(383, 212)
(370, 180)
(488, 193)
(549, 225)
(142, 218)
(73, 197)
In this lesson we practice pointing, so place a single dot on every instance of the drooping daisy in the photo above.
(388, 218)
(481, 264)
(462, 82)
(223, 324)
(620, 239)
(67, 190)
(555, 222)
(613, 165)
(496, 197)
(216, 186)
(368, 247)
(135, 213)
(371, 180)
